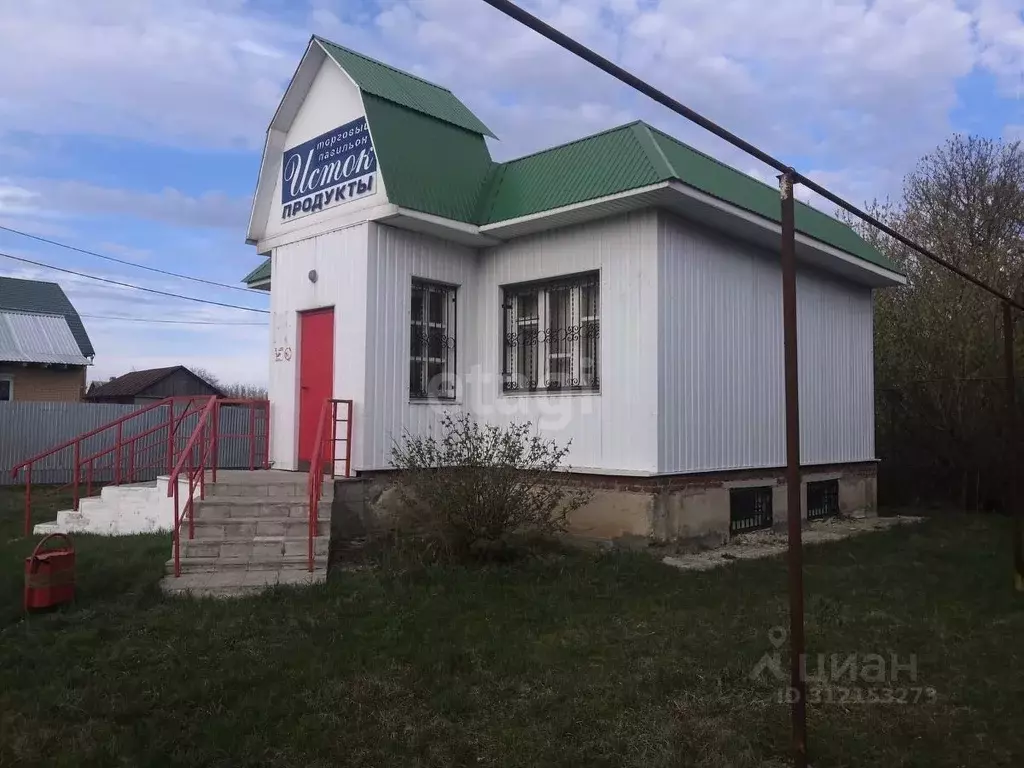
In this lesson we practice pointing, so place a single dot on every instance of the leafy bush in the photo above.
(477, 488)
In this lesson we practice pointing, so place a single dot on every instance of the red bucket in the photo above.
(50, 574)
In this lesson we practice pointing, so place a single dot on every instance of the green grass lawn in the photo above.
(569, 660)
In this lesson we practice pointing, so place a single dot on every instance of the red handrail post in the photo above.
(266, 434)
(170, 437)
(216, 440)
(131, 461)
(315, 482)
(88, 485)
(177, 532)
(252, 437)
(117, 454)
(203, 454)
(348, 442)
(28, 501)
(334, 434)
(74, 462)
(196, 450)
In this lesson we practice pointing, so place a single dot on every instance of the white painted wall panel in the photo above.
(604, 438)
(396, 258)
(721, 365)
(615, 430)
(340, 259)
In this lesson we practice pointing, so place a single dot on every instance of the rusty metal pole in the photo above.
(1012, 438)
(798, 690)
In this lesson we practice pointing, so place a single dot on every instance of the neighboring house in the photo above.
(44, 348)
(140, 387)
(622, 291)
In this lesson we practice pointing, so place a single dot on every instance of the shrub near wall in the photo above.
(477, 489)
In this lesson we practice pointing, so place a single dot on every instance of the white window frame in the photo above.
(442, 386)
(516, 380)
(10, 390)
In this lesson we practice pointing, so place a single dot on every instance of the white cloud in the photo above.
(852, 87)
(189, 72)
(856, 88)
(46, 197)
(17, 200)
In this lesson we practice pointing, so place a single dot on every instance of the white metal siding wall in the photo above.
(615, 430)
(396, 257)
(720, 383)
(340, 259)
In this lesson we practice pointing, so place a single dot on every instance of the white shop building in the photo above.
(622, 291)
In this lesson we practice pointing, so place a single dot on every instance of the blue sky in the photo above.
(134, 127)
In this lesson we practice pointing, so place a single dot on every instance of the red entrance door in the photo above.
(316, 374)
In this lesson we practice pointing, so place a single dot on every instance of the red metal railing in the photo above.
(129, 456)
(198, 452)
(316, 462)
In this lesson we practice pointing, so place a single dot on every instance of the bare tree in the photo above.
(236, 390)
(245, 391)
(938, 342)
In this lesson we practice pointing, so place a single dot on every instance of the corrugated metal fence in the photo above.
(28, 429)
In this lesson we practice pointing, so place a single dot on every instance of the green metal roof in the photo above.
(386, 82)
(435, 163)
(258, 275)
(428, 165)
(702, 172)
(604, 164)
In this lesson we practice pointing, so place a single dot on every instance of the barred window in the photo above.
(552, 335)
(432, 333)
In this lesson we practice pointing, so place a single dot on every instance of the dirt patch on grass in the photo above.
(759, 544)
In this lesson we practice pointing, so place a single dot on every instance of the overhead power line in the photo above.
(169, 322)
(513, 11)
(135, 287)
(87, 252)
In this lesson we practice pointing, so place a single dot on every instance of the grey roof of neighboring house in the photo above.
(136, 382)
(35, 296)
(33, 338)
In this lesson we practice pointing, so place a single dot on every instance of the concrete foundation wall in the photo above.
(678, 508)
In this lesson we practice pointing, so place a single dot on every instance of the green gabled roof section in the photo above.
(394, 85)
(606, 163)
(259, 275)
(634, 156)
(434, 159)
(704, 173)
(428, 165)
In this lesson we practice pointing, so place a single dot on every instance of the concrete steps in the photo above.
(253, 547)
(251, 532)
(119, 510)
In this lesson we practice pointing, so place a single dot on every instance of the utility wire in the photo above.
(126, 262)
(161, 320)
(135, 287)
(513, 11)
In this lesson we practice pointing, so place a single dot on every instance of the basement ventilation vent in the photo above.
(750, 509)
(822, 499)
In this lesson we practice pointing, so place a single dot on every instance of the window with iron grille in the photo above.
(552, 335)
(432, 333)
(750, 509)
(822, 499)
